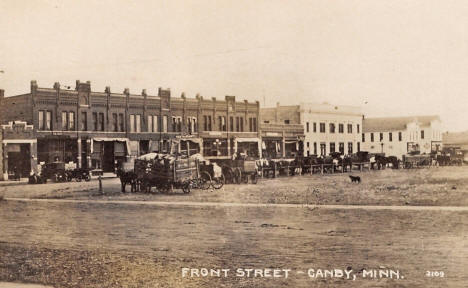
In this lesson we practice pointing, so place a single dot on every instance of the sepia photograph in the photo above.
(233, 143)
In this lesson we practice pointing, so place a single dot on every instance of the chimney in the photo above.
(56, 85)
(77, 84)
(277, 104)
(107, 90)
(143, 92)
(213, 98)
(197, 96)
(33, 85)
(126, 91)
(2, 94)
(182, 95)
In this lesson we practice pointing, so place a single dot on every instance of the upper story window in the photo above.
(350, 128)
(64, 120)
(253, 124)
(322, 127)
(231, 123)
(357, 128)
(340, 128)
(381, 137)
(115, 122)
(121, 122)
(95, 121)
(45, 120)
(371, 137)
(71, 120)
(287, 121)
(240, 124)
(307, 127)
(422, 134)
(164, 124)
(222, 123)
(135, 123)
(332, 127)
(390, 136)
(207, 122)
(363, 137)
(101, 122)
(399, 136)
(149, 124)
(192, 125)
(315, 129)
(68, 120)
(84, 121)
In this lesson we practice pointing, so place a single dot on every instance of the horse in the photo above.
(128, 177)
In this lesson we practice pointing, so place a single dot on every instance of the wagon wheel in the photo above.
(218, 182)
(187, 187)
(78, 178)
(228, 174)
(205, 180)
(87, 178)
(238, 175)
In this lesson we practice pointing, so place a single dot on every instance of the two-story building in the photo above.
(327, 128)
(397, 136)
(100, 129)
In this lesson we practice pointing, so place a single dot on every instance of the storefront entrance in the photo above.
(108, 157)
(19, 159)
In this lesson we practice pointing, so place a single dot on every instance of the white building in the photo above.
(327, 128)
(396, 136)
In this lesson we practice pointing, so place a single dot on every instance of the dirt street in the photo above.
(442, 186)
(98, 243)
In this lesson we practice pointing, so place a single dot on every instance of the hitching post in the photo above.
(100, 183)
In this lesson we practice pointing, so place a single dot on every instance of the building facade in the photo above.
(282, 132)
(99, 129)
(327, 128)
(397, 136)
(457, 140)
(1, 154)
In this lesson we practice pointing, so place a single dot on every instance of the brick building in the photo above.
(99, 129)
(1, 154)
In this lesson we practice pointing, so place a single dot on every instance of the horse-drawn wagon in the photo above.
(416, 160)
(239, 170)
(165, 172)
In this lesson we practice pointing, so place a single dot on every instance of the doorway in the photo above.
(108, 157)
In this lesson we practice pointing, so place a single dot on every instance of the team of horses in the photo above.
(327, 164)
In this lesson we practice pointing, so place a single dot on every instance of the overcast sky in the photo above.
(401, 57)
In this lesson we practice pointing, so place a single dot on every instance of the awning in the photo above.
(101, 139)
(247, 139)
(194, 140)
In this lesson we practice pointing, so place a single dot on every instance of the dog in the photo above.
(356, 179)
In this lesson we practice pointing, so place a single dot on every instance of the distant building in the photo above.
(458, 140)
(327, 128)
(99, 129)
(396, 136)
(1, 154)
(281, 131)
